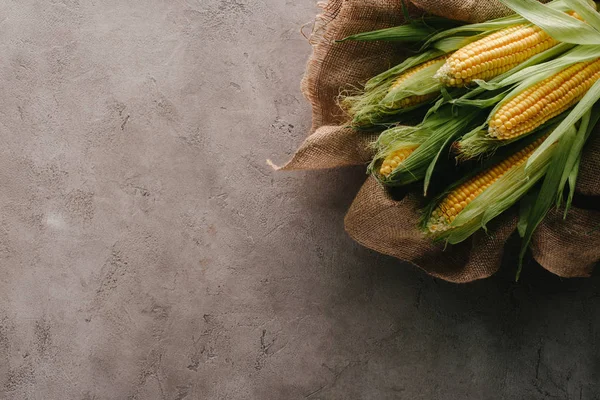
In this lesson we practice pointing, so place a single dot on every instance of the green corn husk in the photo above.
(378, 103)
(493, 201)
(432, 136)
(402, 33)
(571, 170)
(415, 31)
(550, 17)
(562, 27)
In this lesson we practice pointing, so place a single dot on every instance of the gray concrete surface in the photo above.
(147, 251)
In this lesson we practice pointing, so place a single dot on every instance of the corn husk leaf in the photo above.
(394, 72)
(434, 162)
(588, 122)
(525, 206)
(421, 83)
(572, 179)
(556, 23)
(574, 154)
(587, 10)
(487, 27)
(480, 102)
(551, 182)
(432, 29)
(364, 107)
(415, 31)
(402, 33)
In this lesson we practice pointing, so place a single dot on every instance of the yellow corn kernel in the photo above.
(460, 197)
(412, 101)
(544, 101)
(494, 54)
(394, 159)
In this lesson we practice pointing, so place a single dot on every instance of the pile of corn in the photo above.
(514, 99)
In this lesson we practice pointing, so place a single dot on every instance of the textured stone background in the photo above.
(148, 252)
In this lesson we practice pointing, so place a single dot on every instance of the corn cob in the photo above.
(415, 100)
(395, 158)
(392, 93)
(544, 101)
(460, 197)
(494, 55)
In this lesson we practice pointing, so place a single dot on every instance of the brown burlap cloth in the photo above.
(569, 248)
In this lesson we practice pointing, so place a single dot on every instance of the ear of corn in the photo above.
(572, 117)
(471, 204)
(494, 55)
(397, 94)
(396, 91)
(413, 87)
(460, 197)
(497, 53)
(544, 101)
(535, 69)
(394, 146)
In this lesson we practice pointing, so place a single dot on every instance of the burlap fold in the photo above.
(588, 182)
(331, 147)
(567, 248)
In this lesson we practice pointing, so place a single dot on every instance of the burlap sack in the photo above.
(567, 248)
